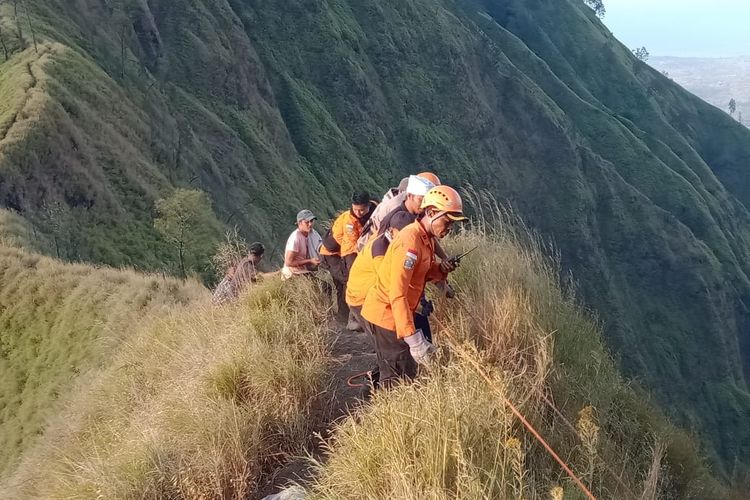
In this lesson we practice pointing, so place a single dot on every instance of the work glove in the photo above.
(419, 347)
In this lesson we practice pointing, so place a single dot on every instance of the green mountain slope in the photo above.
(270, 106)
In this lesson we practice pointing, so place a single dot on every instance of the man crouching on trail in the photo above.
(408, 265)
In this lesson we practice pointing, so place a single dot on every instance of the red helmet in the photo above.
(434, 179)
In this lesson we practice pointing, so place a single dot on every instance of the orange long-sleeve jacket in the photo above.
(406, 268)
(342, 239)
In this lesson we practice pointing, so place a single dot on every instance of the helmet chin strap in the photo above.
(433, 219)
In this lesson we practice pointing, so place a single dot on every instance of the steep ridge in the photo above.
(269, 106)
(175, 398)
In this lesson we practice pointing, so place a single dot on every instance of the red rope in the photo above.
(350, 381)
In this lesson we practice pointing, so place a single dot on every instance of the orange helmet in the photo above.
(445, 199)
(434, 179)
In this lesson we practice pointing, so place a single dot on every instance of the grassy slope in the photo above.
(269, 107)
(678, 168)
(124, 133)
(74, 149)
(15, 231)
(592, 158)
(197, 404)
(58, 321)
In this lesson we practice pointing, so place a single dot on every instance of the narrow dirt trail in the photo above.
(353, 353)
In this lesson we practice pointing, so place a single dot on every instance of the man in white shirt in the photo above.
(301, 255)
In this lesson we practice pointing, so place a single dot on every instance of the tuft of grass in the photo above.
(446, 436)
(198, 404)
(15, 231)
(451, 433)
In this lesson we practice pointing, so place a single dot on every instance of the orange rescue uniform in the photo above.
(345, 233)
(402, 275)
(362, 275)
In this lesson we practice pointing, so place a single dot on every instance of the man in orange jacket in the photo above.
(340, 247)
(364, 272)
(408, 265)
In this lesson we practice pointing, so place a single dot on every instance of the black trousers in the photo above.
(395, 362)
(339, 268)
(423, 323)
(357, 313)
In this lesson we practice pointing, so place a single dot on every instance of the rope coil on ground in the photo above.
(350, 381)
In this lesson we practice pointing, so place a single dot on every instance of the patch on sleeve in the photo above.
(350, 228)
(411, 259)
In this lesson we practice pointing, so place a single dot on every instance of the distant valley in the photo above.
(716, 80)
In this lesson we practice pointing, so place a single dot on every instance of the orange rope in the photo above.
(519, 415)
(351, 380)
(554, 409)
(575, 431)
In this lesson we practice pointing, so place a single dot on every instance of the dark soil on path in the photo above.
(353, 353)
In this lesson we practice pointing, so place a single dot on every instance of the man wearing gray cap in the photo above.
(301, 255)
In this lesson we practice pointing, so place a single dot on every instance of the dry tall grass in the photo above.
(58, 321)
(198, 405)
(450, 434)
(201, 402)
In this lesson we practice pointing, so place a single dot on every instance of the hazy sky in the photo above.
(700, 28)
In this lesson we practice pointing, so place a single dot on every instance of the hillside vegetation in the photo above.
(60, 321)
(272, 106)
(196, 404)
(512, 335)
(201, 403)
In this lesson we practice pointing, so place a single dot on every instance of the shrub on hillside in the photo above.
(185, 220)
